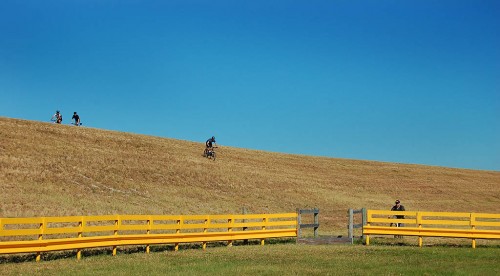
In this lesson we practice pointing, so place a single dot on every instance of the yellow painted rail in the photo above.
(432, 224)
(43, 234)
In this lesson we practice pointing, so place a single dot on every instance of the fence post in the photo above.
(350, 228)
(262, 242)
(367, 240)
(40, 237)
(177, 231)
(316, 222)
(230, 229)
(419, 225)
(148, 232)
(204, 244)
(244, 211)
(299, 222)
(79, 250)
(473, 226)
(115, 233)
(363, 221)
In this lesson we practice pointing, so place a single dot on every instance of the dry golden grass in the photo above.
(55, 170)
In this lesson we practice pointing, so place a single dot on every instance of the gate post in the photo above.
(316, 222)
(363, 222)
(350, 227)
(314, 225)
(299, 222)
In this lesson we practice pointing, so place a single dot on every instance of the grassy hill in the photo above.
(54, 170)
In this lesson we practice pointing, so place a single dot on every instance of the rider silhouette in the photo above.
(76, 118)
(57, 117)
(209, 142)
(209, 146)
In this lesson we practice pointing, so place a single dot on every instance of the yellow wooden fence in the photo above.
(433, 224)
(43, 234)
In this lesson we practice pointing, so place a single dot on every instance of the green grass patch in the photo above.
(278, 259)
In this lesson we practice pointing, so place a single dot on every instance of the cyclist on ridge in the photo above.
(57, 117)
(76, 118)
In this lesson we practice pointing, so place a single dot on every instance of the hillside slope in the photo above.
(54, 170)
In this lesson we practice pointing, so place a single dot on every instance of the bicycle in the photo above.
(210, 153)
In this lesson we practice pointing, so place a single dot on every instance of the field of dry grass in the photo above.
(54, 170)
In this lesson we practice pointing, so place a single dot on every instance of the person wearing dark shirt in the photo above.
(398, 207)
(209, 146)
(76, 118)
(209, 142)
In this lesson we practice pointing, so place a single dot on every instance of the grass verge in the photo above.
(278, 259)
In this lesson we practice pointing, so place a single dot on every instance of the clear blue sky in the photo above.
(400, 81)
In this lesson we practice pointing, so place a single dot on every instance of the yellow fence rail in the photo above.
(43, 234)
(432, 224)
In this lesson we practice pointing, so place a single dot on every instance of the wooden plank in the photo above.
(444, 222)
(102, 218)
(283, 223)
(444, 214)
(484, 215)
(486, 223)
(393, 220)
(309, 211)
(65, 230)
(199, 217)
(99, 228)
(284, 215)
(137, 227)
(370, 213)
(6, 221)
(20, 232)
(166, 217)
(135, 217)
(165, 226)
(62, 219)
(309, 225)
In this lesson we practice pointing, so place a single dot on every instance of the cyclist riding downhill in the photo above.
(57, 118)
(209, 148)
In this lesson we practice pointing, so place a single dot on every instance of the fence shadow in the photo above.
(70, 254)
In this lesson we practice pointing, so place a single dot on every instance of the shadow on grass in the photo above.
(70, 254)
(402, 242)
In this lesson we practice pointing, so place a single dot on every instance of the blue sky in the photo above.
(399, 81)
